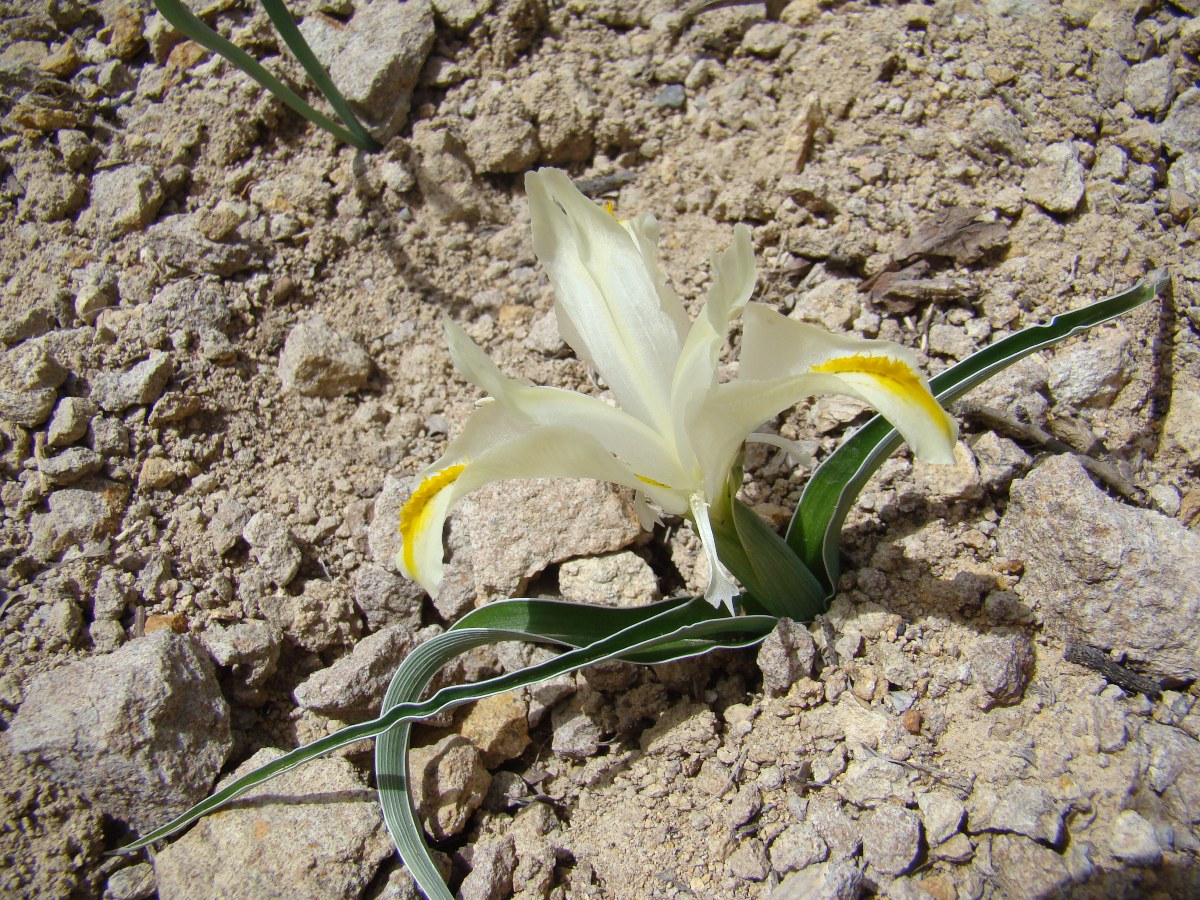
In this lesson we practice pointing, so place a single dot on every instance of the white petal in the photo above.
(799, 456)
(645, 231)
(609, 306)
(639, 446)
(493, 447)
(721, 585)
(783, 360)
(733, 283)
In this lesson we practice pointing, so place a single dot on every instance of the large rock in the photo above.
(125, 198)
(281, 841)
(387, 599)
(891, 839)
(622, 579)
(273, 547)
(502, 139)
(1181, 128)
(191, 305)
(1016, 808)
(826, 881)
(1182, 427)
(319, 362)
(786, 656)
(518, 528)
(503, 534)
(29, 377)
(1025, 868)
(449, 783)
(353, 687)
(1093, 373)
(77, 517)
(140, 734)
(250, 651)
(445, 176)
(1056, 182)
(140, 385)
(1121, 578)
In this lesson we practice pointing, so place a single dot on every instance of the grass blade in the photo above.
(815, 532)
(292, 36)
(187, 24)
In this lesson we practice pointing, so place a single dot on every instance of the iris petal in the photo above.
(609, 305)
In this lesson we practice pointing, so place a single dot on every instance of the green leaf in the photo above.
(187, 24)
(662, 632)
(673, 629)
(767, 567)
(815, 532)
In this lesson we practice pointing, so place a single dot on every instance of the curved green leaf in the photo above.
(671, 631)
(771, 572)
(815, 531)
(678, 625)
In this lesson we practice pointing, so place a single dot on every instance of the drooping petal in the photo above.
(783, 361)
(493, 447)
(695, 373)
(643, 449)
(610, 309)
(722, 589)
(799, 455)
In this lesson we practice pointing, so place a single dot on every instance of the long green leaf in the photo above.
(815, 531)
(661, 638)
(187, 24)
(771, 572)
(679, 623)
(292, 36)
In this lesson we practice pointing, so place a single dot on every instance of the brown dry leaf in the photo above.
(954, 234)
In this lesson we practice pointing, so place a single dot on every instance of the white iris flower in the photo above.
(677, 434)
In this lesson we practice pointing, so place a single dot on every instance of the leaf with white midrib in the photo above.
(815, 530)
(684, 627)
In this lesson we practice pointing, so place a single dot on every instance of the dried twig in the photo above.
(997, 420)
(1099, 661)
(954, 781)
(602, 184)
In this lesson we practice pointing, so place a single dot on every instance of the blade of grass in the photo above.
(815, 531)
(292, 36)
(187, 24)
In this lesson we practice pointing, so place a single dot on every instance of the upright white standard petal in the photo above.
(677, 434)
(610, 305)
(696, 372)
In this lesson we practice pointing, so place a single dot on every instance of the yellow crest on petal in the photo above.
(415, 513)
(894, 375)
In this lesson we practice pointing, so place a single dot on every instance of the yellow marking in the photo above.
(653, 483)
(895, 375)
(611, 208)
(415, 513)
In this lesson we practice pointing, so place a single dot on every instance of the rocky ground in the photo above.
(224, 360)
